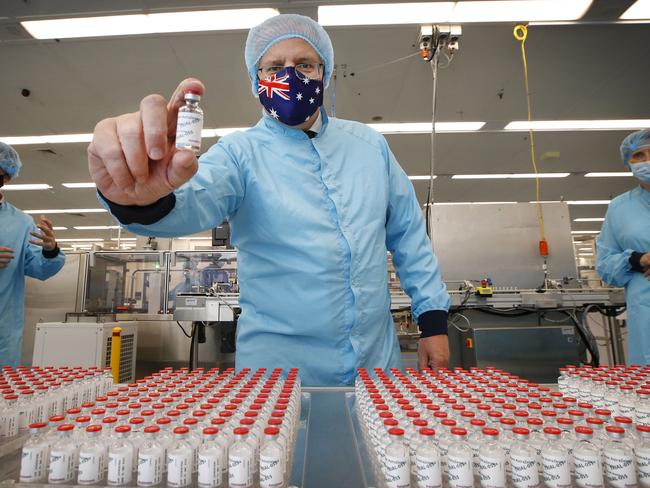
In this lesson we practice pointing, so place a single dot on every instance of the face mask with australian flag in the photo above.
(290, 97)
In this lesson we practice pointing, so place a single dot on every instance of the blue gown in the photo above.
(312, 220)
(15, 227)
(626, 230)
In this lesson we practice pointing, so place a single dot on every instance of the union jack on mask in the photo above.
(290, 98)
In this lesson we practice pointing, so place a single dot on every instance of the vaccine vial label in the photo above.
(209, 471)
(643, 467)
(91, 469)
(620, 470)
(588, 470)
(179, 469)
(120, 467)
(524, 471)
(62, 467)
(428, 472)
(557, 472)
(33, 464)
(150, 467)
(239, 471)
(188, 130)
(492, 472)
(460, 472)
(271, 472)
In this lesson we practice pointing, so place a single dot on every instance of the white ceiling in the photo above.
(593, 70)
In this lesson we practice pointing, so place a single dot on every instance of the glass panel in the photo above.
(202, 272)
(123, 282)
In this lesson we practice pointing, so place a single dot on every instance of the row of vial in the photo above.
(38, 393)
(204, 409)
(217, 459)
(617, 389)
(431, 429)
(34, 395)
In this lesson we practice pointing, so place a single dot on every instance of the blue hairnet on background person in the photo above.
(313, 204)
(25, 250)
(623, 247)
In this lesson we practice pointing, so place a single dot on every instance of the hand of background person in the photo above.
(45, 238)
(433, 352)
(133, 158)
(6, 255)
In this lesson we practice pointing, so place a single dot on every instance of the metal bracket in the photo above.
(443, 38)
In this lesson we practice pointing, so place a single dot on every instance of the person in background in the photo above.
(623, 247)
(25, 250)
(313, 202)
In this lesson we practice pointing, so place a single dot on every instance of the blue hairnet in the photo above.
(287, 26)
(9, 160)
(634, 142)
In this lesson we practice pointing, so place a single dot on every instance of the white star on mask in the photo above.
(311, 100)
(298, 96)
(306, 81)
(273, 113)
(317, 90)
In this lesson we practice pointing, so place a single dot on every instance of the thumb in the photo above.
(182, 166)
(423, 357)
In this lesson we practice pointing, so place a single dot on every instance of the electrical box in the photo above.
(534, 353)
(85, 344)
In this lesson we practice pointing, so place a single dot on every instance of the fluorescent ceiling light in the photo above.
(79, 185)
(93, 239)
(385, 13)
(506, 176)
(421, 177)
(124, 25)
(390, 128)
(569, 125)
(47, 139)
(35, 186)
(588, 202)
(224, 131)
(470, 203)
(638, 11)
(595, 219)
(586, 254)
(66, 211)
(59, 228)
(96, 227)
(465, 11)
(526, 10)
(607, 174)
(123, 239)
(585, 249)
(580, 232)
(425, 127)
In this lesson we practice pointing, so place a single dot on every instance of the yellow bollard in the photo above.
(116, 346)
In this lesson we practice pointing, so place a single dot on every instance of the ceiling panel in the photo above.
(576, 72)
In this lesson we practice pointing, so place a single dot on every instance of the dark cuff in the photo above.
(432, 323)
(635, 262)
(145, 215)
(51, 254)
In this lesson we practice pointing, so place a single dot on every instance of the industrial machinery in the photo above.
(85, 344)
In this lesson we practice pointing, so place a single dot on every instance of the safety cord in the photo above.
(430, 198)
(521, 33)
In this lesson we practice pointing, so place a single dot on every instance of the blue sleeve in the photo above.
(406, 239)
(612, 261)
(213, 194)
(37, 265)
